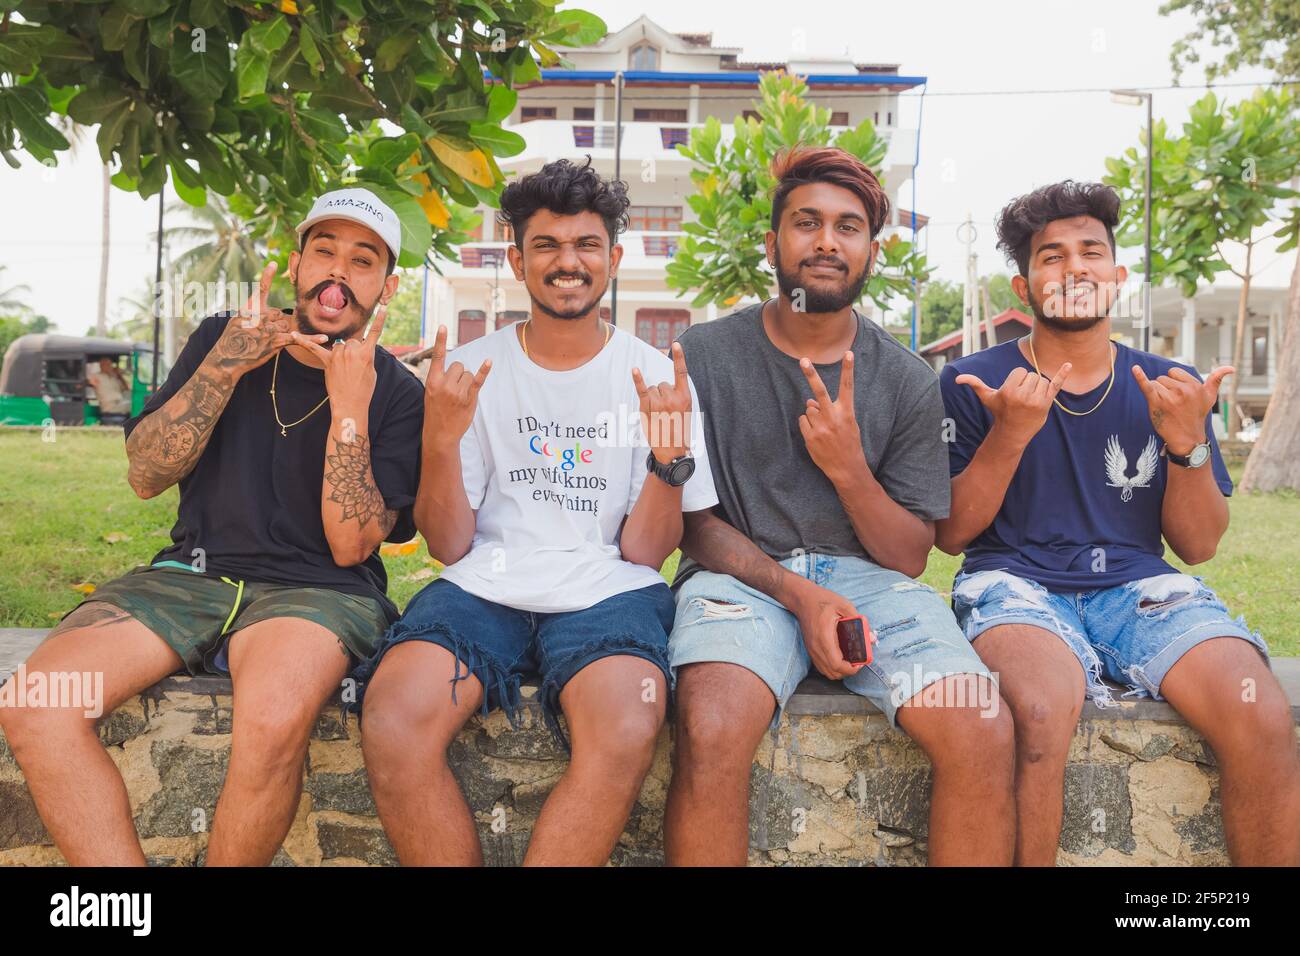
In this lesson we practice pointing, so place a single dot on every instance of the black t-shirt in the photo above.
(252, 502)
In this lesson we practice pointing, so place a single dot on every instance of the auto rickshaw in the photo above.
(44, 379)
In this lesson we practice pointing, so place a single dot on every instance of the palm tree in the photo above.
(12, 299)
(75, 134)
(222, 249)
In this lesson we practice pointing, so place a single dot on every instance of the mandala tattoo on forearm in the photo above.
(347, 470)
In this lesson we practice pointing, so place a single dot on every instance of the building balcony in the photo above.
(549, 139)
(641, 250)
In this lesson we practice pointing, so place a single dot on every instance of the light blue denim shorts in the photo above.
(917, 640)
(1131, 633)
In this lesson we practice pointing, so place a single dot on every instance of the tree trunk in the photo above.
(1234, 419)
(1274, 462)
(101, 318)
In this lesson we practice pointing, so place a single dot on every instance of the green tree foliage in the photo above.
(271, 104)
(722, 257)
(1244, 33)
(1224, 179)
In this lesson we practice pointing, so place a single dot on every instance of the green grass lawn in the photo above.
(68, 519)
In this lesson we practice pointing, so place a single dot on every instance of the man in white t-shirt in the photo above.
(110, 386)
(553, 490)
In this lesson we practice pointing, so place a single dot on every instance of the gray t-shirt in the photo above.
(768, 486)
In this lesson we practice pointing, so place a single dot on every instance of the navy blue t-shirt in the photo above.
(1083, 509)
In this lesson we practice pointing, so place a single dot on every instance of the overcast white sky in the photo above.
(976, 151)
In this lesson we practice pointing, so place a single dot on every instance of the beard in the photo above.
(350, 304)
(1074, 323)
(821, 300)
(574, 313)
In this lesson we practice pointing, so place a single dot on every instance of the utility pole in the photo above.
(970, 304)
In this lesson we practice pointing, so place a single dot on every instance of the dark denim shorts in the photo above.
(501, 646)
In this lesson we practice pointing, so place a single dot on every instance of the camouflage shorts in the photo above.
(196, 614)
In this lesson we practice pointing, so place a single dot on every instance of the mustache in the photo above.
(833, 261)
(349, 297)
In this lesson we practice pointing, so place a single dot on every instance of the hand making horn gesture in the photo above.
(1179, 404)
(665, 410)
(349, 368)
(450, 395)
(1020, 406)
(256, 332)
(830, 428)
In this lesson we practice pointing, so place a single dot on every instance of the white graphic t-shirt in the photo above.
(553, 463)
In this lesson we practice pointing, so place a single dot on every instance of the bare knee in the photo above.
(29, 729)
(623, 742)
(710, 740)
(397, 734)
(1261, 730)
(1044, 726)
(273, 741)
(979, 738)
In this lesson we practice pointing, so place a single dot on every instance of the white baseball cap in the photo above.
(360, 206)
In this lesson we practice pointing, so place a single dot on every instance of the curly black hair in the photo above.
(565, 189)
(1026, 215)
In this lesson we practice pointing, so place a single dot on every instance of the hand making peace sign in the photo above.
(665, 410)
(349, 368)
(450, 395)
(830, 428)
(255, 333)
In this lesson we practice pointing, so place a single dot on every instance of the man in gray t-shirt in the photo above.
(825, 438)
(769, 488)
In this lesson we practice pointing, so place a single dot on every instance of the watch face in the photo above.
(681, 472)
(1200, 454)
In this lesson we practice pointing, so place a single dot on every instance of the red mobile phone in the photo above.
(855, 639)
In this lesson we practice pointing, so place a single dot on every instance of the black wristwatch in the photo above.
(676, 473)
(1198, 456)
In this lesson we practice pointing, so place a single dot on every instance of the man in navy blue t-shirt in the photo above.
(1071, 457)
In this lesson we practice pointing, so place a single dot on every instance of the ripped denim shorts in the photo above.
(1131, 634)
(918, 643)
(500, 645)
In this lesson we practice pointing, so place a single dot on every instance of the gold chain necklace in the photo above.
(284, 429)
(1057, 401)
(523, 334)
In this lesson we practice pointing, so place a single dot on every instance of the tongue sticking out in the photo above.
(332, 297)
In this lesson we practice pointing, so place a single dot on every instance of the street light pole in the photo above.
(1136, 98)
(1146, 284)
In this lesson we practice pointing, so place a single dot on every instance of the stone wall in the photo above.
(834, 785)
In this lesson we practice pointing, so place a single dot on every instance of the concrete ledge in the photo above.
(834, 784)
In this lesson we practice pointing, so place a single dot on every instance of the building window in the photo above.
(673, 136)
(1259, 350)
(584, 112)
(654, 218)
(527, 113)
(889, 118)
(643, 57)
(503, 231)
(470, 325)
(479, 257)
(510, 317)
(840, 118)
(751, 115)
(876, 121)
(660, 327)
(658, 116)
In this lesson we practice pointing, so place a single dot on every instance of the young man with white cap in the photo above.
(295, 459)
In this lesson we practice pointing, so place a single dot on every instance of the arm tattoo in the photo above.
(352, 487)
(164, 447)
